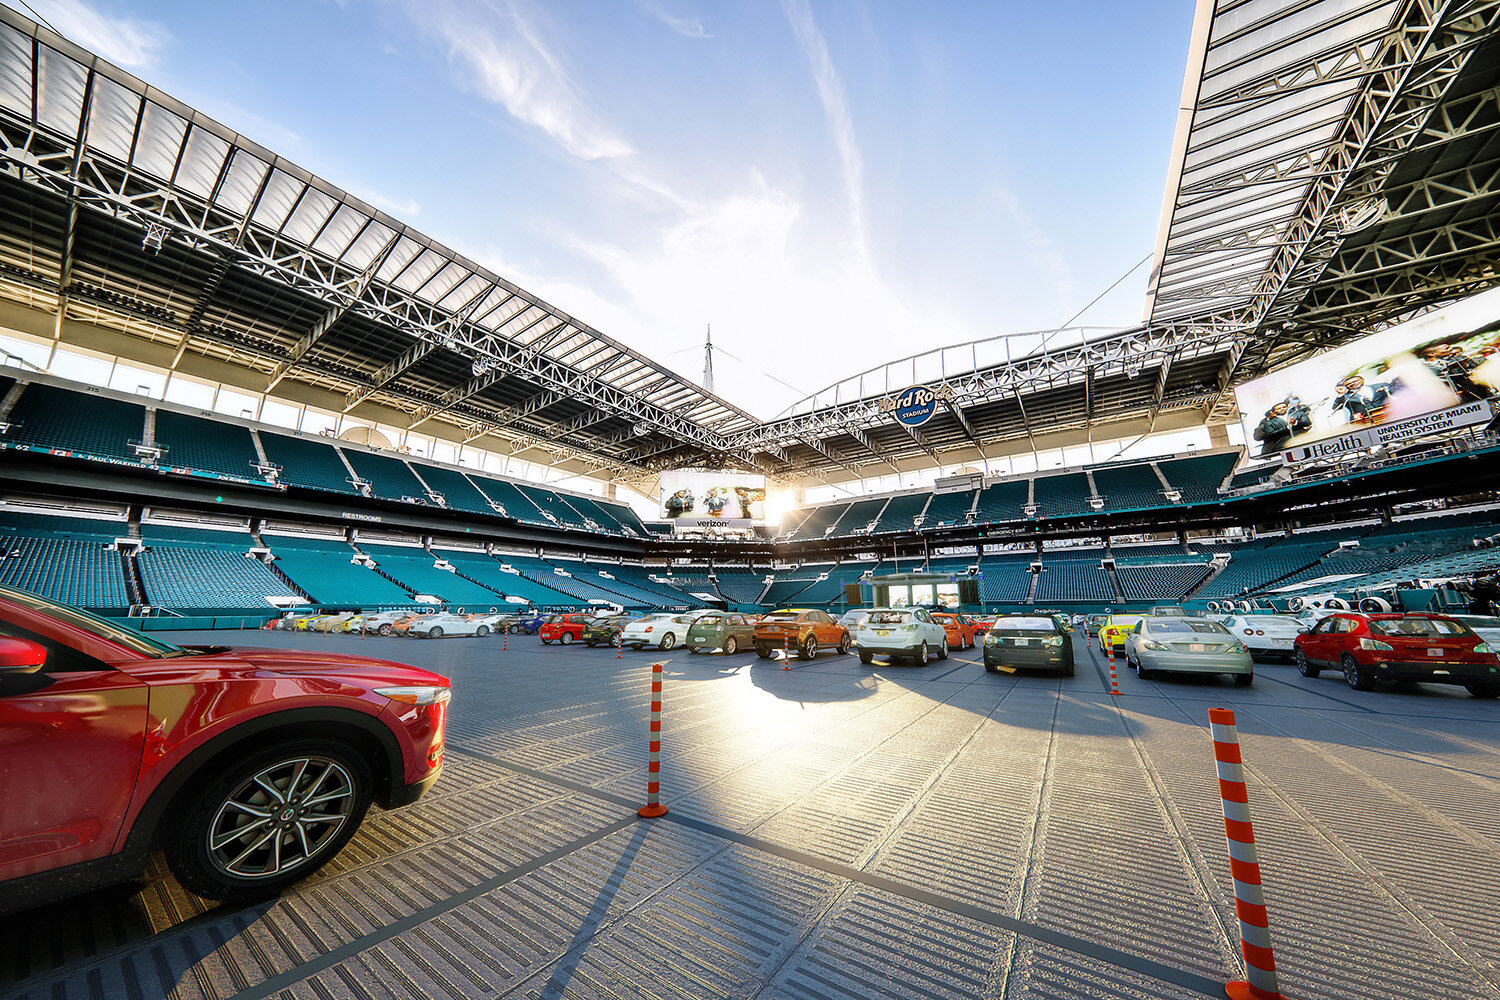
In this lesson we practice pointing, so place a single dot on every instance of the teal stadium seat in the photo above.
(49, 417)
(202, 445)
(307, 462)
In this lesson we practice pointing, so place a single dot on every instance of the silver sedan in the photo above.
(1189, 646)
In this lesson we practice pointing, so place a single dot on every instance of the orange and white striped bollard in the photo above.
(1244, 865)
(653, 807)
(786, 652)
(620, 646)
(1114, 684)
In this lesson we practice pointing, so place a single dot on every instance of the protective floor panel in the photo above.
(839, 830)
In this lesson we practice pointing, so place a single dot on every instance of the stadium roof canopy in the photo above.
(1336, 168)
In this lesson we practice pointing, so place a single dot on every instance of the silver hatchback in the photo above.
(1189, 646)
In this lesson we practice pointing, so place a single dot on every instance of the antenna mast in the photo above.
(708, 360)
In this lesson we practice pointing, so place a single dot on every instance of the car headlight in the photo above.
(1375, 644)
(417, 695)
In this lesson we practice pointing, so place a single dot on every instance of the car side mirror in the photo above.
(20, 656)
(1304, 629)
(21, 662)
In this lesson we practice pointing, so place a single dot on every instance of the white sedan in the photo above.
(1487, 627)
(898, 632)
(446, 623)
(1265, 635)
(381, 622)
(660, 630)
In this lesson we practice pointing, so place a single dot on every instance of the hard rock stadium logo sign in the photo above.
(916, 405)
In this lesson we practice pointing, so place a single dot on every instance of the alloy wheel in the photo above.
(280, 818)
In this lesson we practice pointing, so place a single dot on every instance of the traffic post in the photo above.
(653, 807)
(1244, 866)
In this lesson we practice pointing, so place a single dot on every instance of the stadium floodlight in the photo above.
(1360, 215)
(156, 235)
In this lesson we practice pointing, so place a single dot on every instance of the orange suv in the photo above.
(803, 629)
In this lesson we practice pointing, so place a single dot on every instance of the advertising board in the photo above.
(705, 498)
(1418, 369)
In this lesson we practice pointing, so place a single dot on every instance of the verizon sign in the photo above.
(1395, 432)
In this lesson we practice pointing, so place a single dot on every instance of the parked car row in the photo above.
(425, 624)
(1365, 648)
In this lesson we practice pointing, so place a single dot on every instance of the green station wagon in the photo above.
(721, 630)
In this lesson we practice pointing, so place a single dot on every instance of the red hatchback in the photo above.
(1406, 647)
(248, 768)
(564, 628)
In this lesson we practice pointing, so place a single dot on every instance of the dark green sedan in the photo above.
(604, 631)
(721, 630)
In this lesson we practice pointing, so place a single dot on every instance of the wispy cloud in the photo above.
(1044, 254)
(750, 262)
(692, 27)
(126, 41)
(403, 209)
(836, 108)
(501, 55)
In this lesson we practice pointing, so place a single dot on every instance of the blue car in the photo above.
(530, 623)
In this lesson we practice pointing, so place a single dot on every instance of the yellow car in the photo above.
(1114, 631)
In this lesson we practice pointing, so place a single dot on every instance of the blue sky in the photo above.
(830, 185)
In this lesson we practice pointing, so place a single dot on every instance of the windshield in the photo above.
(1021, 623)
(118, 634)
(889, 617)
(1124, 621)
(780, 616)
(1418, 628)
(1184, 626)
(1279, 621)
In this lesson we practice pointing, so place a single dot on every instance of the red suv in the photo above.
(564, 628)
(1390, 647)
(248, 768)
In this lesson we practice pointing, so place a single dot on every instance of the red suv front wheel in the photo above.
(271, 820)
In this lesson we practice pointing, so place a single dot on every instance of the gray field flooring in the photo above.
(838, 830)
